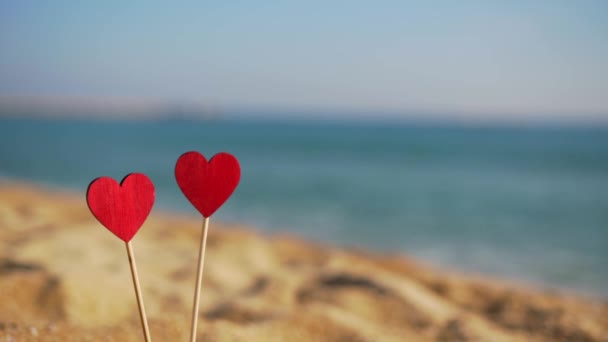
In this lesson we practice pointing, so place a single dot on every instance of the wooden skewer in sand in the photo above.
(207, 185)
(199, 279)
(140, 299)
(122, 209)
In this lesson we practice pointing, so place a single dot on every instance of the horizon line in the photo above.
(98, 107)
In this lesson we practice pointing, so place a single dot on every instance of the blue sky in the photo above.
(480, 59)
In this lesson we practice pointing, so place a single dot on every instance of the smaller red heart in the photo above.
(122, 208)
(207, 185)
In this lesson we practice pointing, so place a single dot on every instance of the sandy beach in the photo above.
(63, 277)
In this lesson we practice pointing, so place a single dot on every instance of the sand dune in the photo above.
(63, 277)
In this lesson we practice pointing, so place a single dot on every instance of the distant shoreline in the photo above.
(155, 109)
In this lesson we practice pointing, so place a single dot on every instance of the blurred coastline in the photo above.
(526, 203)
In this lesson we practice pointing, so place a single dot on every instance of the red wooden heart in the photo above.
(207, 185)
(121, 208)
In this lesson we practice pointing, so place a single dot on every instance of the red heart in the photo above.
(121, 208)
(207, 185)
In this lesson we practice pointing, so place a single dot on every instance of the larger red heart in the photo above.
(207, 185)
(122, 208)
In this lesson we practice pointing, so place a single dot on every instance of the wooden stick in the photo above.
(140, 300)
(199, 278)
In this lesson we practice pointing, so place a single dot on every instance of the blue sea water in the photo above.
(528, 203)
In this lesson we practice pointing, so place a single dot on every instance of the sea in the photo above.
(527, 203)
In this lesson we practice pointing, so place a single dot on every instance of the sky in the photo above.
(471, 59)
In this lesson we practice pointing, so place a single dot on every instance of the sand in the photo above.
(63, 277)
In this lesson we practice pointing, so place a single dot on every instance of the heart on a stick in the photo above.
(122, 208)
(207, 184)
